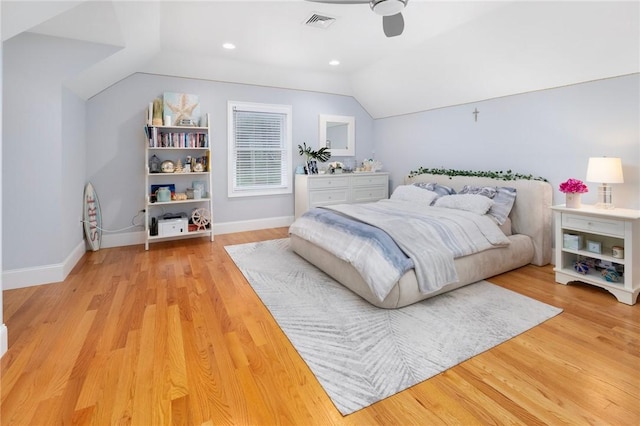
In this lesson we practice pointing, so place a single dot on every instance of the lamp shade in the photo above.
(604, 170)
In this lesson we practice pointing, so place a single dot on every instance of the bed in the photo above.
(527, 229)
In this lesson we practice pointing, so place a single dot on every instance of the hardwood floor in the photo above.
(175, 335)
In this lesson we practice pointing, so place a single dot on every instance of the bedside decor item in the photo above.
(157, 112)
(200, 185)
(594, 246)
(167, 166)
(312, 156)
(371, 165)
(581, 267)
(182, 108)
(573, 188)
(163, 194)
(572, 241)
(179, 196)
(611, 275)
(201, 217)
(154, 164)
(617, 252)
(335, 167)
(605, 170)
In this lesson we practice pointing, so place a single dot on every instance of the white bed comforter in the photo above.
(430, 236)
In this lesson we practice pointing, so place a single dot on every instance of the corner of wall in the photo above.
(47, 274)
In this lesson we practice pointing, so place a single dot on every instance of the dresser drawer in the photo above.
(328, 183)
(321, 198)
(374, 193)
(369, 180)
(593, 224)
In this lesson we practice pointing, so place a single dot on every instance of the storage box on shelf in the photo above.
(599, 247)
(187, 212)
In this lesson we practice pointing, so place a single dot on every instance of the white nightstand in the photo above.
(599, 230)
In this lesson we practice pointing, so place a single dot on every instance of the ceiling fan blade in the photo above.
(340, 1)
(393, 25)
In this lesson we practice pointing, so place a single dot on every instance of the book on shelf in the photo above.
(176, 139)
(150, 114)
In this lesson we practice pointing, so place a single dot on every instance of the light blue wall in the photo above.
(43, 149)
(115, 142)
(53, 141)
(550, 133)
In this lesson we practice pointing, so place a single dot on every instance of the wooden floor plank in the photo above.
(175, 335)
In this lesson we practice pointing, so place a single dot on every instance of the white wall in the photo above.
(549, 133)
(115, 147)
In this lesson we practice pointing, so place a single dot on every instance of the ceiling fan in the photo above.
(391, 11)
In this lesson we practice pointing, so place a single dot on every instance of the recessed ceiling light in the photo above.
(229, 46)
(334, 62)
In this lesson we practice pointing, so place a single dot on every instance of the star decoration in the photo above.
(183, 110)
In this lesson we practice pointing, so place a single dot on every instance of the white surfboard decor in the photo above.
(92, 217)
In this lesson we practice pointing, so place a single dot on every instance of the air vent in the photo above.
(319, 21)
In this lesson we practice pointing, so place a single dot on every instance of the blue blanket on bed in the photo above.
(380, 239)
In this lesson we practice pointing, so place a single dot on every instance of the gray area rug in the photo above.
(361, 354)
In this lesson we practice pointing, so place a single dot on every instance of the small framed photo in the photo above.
(312, 167)
(594, 246)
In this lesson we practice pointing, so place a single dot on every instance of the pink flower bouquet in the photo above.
(573, 186)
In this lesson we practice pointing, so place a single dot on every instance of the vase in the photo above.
(573, 200)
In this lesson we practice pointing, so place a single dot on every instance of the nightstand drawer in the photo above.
(370, 180)
(592, 224)
(320, 198)
(328, 183)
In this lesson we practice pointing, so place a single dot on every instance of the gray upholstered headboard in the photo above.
(531, 213)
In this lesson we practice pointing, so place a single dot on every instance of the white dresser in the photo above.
(323, 190)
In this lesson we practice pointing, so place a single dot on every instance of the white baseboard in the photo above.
(123, 239)
(252, 225)
(27, 277)
(4, 339)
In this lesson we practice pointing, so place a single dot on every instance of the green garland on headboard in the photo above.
(508, 175)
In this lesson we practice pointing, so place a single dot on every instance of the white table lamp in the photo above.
(604, 170)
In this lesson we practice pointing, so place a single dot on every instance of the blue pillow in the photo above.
(503, 198)
(436, 187)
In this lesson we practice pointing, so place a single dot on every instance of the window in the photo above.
(259, 149)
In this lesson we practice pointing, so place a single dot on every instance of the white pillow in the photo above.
(470, 202)
(414, 194)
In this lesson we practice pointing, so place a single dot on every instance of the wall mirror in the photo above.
(338, 133)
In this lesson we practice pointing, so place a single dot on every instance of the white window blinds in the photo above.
(259, 149)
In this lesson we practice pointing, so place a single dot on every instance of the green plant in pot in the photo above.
(322, 155)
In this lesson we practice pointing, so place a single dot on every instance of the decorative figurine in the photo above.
(611, 275)
(157, 112)
(581, 267)
(154, 164)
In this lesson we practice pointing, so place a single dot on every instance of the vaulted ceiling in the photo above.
(451, 52)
